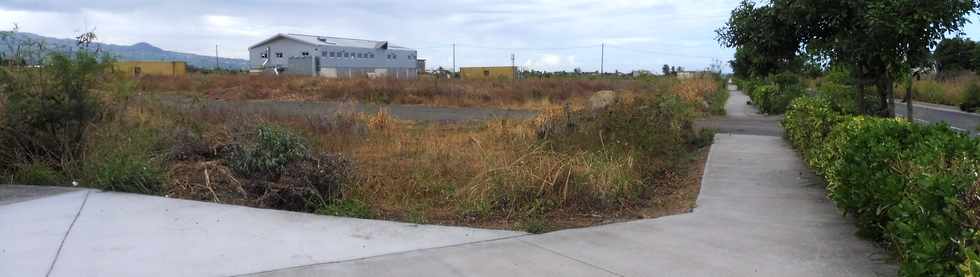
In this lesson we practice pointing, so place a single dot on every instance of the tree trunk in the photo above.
(882, 108)
(908, 99)
(860, 92)
(890, 90)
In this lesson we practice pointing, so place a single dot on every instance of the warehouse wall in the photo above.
(488, 72)
(157, 68)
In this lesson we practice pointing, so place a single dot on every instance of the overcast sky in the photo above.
(544, 34)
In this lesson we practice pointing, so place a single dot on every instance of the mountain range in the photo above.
(138, 52)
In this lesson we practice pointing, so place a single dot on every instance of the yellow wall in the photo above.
(488, 72)
(159, 68)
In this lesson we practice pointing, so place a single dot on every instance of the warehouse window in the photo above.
(372, 55)
(346, 55)
(279, 55)
(265, 55)
(305, 54)
(394, 56)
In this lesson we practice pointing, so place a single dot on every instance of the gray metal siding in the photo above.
(292, 48)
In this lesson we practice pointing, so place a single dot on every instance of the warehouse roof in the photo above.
(332, 41)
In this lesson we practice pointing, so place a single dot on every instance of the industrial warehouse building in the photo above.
(332, 57)
(156, 68)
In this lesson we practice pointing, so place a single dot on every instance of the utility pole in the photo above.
(513, 66)
(454, 60)
(217, 64)
(602, 60)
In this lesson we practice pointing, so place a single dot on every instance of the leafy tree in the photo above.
(956, 54)
(765, 42)
(879, 39)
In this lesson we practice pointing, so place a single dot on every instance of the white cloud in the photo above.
(499, 28)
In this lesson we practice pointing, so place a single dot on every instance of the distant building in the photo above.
(693, 74)
(155, 68)
(420, 65)
(488, 72)
(333, 57)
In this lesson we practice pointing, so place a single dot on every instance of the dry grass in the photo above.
(951, 91)
(536, 174)
(524, 94)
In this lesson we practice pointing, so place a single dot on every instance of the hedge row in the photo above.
(912, 187)
(773, 95)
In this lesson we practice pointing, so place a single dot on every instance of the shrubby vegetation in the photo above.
(912, 187)
(70, 119)
(971, 101)
(879, 42)
(58, 123)
(773, 94)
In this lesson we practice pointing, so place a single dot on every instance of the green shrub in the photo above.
(266, 151)
(838, 87)
(37, 174)
(928, 220)
(347, 208)
(808, 123)
(971, 101)
(48, 110)
(904, 183)
(774, 95)
(717, 100)
(127, 161)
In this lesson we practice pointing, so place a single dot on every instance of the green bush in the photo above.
(773, 95)
(347, 208)
(971, 101)
(127, 161)
(48, 110)
(38, 174)
(808, 123)
(266, 151)
(717, 100)
(904, 183)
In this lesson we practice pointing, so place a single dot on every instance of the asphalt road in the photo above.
(932, 113)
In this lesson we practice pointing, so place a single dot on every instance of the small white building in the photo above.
(333, 57)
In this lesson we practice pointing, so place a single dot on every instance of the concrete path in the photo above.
(95, 233)
(760, 212)
(742, 118)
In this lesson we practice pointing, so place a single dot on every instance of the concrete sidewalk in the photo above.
(760, 212)
(95, 233)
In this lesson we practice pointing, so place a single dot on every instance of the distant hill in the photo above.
(139, 52)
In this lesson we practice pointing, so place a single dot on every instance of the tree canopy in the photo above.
(879, 39)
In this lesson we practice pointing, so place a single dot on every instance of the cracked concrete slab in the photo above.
(171, 237)
(32, 231)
